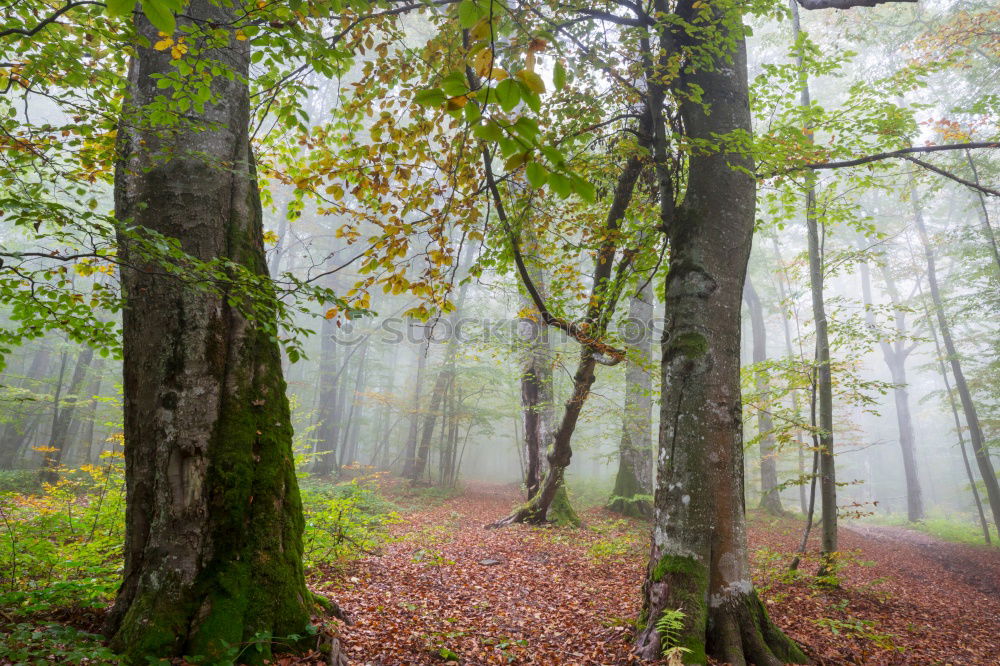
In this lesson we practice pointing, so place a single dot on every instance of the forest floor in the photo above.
(445, 589)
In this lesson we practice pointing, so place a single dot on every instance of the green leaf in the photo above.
(527, 128)
(560, 185)
(559, 75)
(532, 99)
(431, 97)
(120, 7)
(488, 132)
(508, 94)
(160, 15)
(468, 14)
(537, 175)
(454, 84)
(584, 189)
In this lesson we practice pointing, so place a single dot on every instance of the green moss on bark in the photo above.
(561, 511)
(688, 584)
(692, 345)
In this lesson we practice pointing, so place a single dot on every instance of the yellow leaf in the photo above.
(457, 102)
(163, 44)
(532, 80)
(331, 313)
(483, 62)
(240, 36)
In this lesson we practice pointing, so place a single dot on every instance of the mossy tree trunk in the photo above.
(213, 544)
(770, 500)
(633, 491)
(698, 560)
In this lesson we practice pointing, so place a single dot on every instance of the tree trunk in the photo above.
(895, 354)
(63, 415)
(958, 422)
(633, 491)
(410, 450)
(699, 560)
(15, 432)
(536, 372)
(965, 395)
(213, 543)
(770, 500)
(328, 432)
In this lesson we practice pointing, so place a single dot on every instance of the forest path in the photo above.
(977, 567)
(447, 590)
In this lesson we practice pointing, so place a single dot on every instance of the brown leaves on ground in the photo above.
(448, 591)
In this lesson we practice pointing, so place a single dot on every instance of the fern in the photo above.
(669, 626)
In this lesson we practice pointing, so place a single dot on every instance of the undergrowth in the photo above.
(61, 552)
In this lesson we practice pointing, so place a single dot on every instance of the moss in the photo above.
(782, 646)
(692, 345)
(688, 590)
(561, 511)
(629, 498)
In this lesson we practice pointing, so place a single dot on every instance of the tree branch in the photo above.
(893, 154)
(957, 179)
(844, 4)
(51, 18)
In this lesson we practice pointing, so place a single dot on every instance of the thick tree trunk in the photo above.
(895, 354)
(770, 500)
(979, 450)
(698, 560)
(213, 544)
(633, 491)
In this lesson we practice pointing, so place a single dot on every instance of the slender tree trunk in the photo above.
(14, 431)
(958, 422)
(552, 493)
(349, 449)
(824, 375)
(770, 500)
(965, 395)
(63, 415)
(984, 214)
(410, 450)
(633, 491)
(698, 560)
(446, 375)
(895, 354)
(213, 543)
(790, 353)
(328, 432)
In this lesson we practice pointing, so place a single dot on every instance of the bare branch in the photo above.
(893, 154)
(51, 18)
(957, 179)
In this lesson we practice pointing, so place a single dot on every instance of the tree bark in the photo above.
(699, 560)
(976, 437)
(63, 415)
(213, 543)
(633, 491)
(895, 354)
(770, 500)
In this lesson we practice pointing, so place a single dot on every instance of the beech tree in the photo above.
(213, 545)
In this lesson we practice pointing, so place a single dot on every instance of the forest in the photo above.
(401, 332)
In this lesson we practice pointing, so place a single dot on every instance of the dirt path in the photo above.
(447, 590)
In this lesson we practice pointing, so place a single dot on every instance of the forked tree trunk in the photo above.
(698, 560)
(770, 500)
(213, 544)
(894, 354)
(633, 491)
